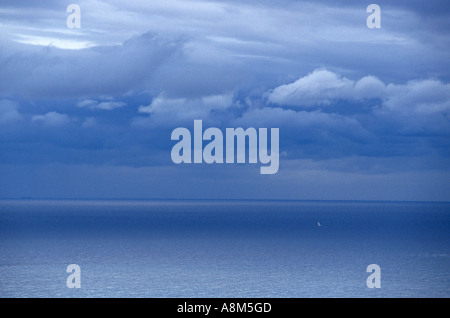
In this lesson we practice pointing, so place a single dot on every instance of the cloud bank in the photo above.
(351, 103)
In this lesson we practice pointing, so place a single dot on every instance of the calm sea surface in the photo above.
(224, 248)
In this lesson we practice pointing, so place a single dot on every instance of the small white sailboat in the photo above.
(318, 224)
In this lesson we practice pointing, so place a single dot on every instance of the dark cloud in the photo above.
(51, 72)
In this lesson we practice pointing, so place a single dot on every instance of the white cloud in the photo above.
(52, 119)
(322, 87)
(60, 43)
(369, 87)
(421, 97)
(8, 112)
(106, 105)
(183, 108)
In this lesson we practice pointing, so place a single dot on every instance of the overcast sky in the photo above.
(364, 114)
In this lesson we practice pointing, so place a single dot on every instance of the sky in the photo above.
(363, 114)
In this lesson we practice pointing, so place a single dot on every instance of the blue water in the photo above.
(224, 249)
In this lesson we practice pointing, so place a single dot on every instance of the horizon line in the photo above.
(219, 199)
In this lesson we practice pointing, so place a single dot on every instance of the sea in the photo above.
(215, 248)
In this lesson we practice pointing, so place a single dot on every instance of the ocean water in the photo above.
(224, 248)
